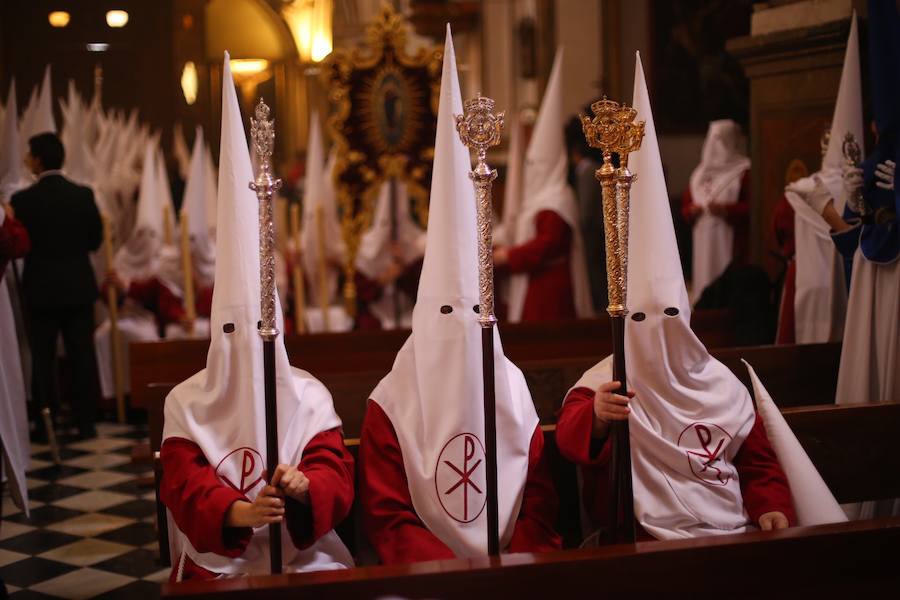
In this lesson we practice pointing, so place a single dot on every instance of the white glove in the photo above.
(818, 197)
(885, 172)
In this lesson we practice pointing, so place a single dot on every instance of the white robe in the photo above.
(13, 415)
(870, 359)
(820, 296)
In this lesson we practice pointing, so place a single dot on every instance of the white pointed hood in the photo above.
(138, 258)
(722, 162)
(180, 150)
(813, 501)
(848, 118)
(512, 193)
(79, 161)
(433, 394)
(12, 172)
(222, 408)
(203, 252)
(689, 408)
(43, 120)
(211, 190)
(27, 118)
(319, 196)
(546, 188)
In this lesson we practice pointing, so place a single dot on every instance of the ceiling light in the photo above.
(59, 18)
(97, 47)
(116, 18)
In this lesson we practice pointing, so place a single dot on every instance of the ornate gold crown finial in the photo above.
(262, 134)
(478, 127)
(613, 129)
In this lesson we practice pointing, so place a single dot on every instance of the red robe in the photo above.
(783, 225)
(390, 520)
(764, 486)
(737, 215)
(168, 308)
(199, 500)
(14, 242)
(547, 260)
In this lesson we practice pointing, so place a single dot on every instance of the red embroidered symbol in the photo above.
(244, 465)
(459, 478)
(705, 444)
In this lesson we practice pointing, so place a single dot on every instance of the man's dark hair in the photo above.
(47, 148)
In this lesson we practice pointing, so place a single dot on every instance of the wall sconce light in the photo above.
(248, 66)
(189, 82)
(59, 18)
(116, 18)
(310, 25)
(97, 47)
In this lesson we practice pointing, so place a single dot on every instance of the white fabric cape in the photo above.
(433, 394)
(546, 188)
(716, 179)
(221, 408)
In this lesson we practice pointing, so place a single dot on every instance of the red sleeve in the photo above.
(198, 500)
(14, 240)
(534, 530)
(687, 202)
(739, 211)
(367, 290)
(574, 431)
(552, 240)
(171, 308)
(328, 465)
(204, 302)
(764, 485)
(144, 291)
(389, 519)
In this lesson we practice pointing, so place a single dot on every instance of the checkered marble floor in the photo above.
(91, 532)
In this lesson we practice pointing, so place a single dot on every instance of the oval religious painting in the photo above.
(393, 111)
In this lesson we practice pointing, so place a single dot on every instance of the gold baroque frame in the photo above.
(363, 161)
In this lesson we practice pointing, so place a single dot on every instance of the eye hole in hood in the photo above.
(638, 316)
(671, 311)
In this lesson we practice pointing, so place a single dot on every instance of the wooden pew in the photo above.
(851, 446)
(375, 350)
(849, 559)
(794, 375)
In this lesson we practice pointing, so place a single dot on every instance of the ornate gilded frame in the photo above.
(373, 140)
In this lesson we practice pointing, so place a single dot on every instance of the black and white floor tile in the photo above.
(91, 531)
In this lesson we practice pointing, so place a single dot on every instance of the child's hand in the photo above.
(609, 406)
(266, 509)
(773, 520)
(294, 483)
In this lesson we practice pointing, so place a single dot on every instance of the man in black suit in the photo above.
(59, 284)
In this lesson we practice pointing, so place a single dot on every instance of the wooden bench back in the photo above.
(853, 559)
(173, 361)
(794, 375)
